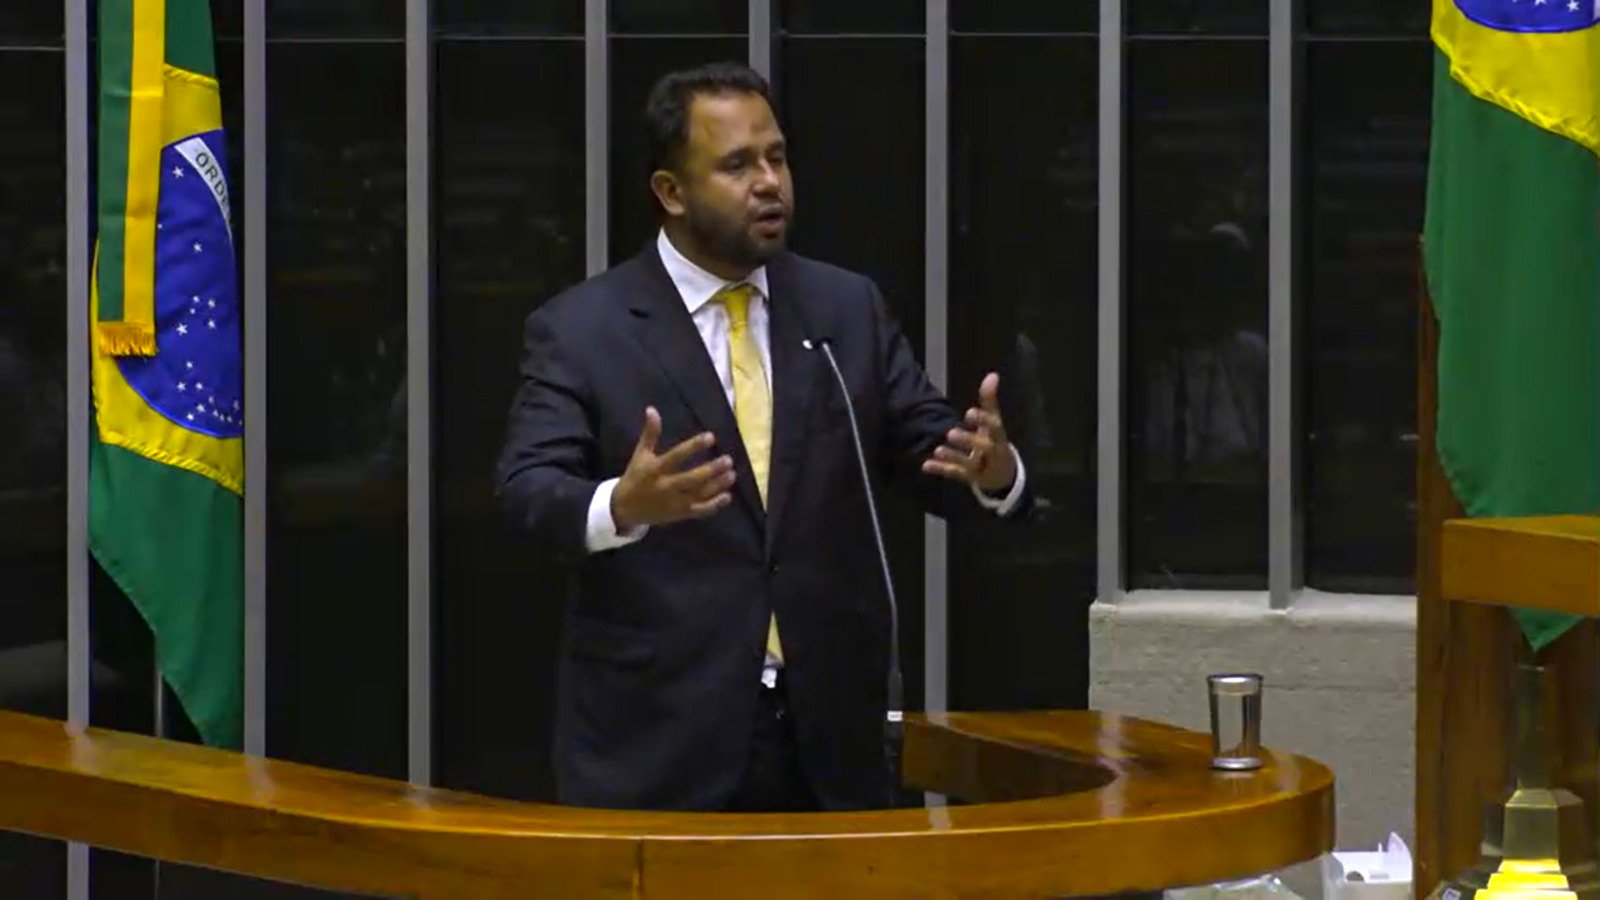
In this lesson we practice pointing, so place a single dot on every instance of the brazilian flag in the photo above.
(1512, 252)
(167, 462)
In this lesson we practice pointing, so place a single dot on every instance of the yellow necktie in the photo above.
(752, 403)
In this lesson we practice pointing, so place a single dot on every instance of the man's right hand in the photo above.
(657, 490)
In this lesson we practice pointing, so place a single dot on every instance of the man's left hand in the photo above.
(978, 453)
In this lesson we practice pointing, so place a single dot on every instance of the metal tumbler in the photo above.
(1235, 721)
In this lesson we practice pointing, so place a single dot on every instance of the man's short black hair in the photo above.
(666, 114)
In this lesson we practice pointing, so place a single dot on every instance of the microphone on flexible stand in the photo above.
(893, 725)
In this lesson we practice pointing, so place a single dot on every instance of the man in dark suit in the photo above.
(727, 642)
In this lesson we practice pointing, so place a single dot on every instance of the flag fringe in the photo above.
(125, 338)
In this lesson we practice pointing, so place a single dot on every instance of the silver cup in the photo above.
(1235, 721)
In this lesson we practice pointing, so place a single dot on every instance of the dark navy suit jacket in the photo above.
(663, 641)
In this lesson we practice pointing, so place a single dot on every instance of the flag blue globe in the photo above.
(1532, 15)
(195, 380)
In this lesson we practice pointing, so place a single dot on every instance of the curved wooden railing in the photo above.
(1060, 803)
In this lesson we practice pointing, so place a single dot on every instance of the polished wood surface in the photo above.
(1442, 629)
(1549, 562)
(1061, 803)
(1467, 644)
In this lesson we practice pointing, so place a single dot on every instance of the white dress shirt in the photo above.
(697, 286)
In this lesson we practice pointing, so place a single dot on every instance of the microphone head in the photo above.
(807, 344)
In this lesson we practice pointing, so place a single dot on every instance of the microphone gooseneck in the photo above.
(896, 686)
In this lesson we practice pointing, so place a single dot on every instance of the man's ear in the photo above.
(668, 191)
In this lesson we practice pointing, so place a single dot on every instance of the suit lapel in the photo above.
(794, 381)
(663, 327)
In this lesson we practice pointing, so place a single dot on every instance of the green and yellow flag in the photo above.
(1512, 252)
(166, 464)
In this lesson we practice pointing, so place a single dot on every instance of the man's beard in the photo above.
(730, 240)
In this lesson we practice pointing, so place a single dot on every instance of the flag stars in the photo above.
(211, 304)
(1572, 5)
(182, 386)
(211, 323)
(182, 328)
(189, 364)
(198, 247)
(177, 172)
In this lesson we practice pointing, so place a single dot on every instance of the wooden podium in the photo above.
(1055, 804)
(1470, 573)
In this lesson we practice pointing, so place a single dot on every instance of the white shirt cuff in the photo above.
(1000, 507)
(601, 534)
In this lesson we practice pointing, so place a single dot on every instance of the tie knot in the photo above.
(735, 298)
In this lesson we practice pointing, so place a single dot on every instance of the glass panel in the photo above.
(33, 867)
(227, 19)
(33, 521)
(839, 96)
(336, 621)
(118, 876)
(846, 16)
(33, 384)
(1196, 16)
(492, 17)
(344, 18)
(35, 22)
(1367, 17)
(681, 17)
(1369, 106)
(986, 15)
(636, 65)
(1024, 157)
(511, 234)
(1197, 313)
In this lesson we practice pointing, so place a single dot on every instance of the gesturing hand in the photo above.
(980, 453)
(656, 489)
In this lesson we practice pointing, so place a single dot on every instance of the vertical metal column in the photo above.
(936, 316)
(597, 137)
(255, 377)
(78, 401)
(761, 37)
(1285, 520)
(1109, 483)
(419, 391)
